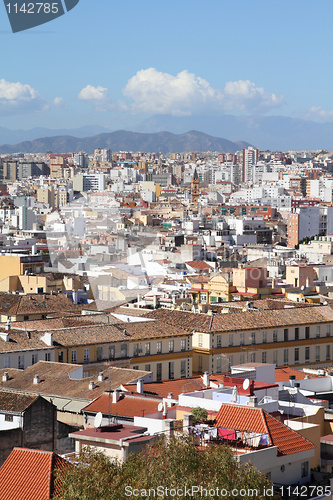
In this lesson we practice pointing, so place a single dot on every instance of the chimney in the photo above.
(139, 386)
(101, 377)
(36, 379)
(5, 377)
(253, 401)
(170, 395)
(206, 380)
(91, 385)
(115, 396)
(8, 324)
(292, 380)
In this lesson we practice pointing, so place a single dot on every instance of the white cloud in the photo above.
(59, 102)
(151, 91)
(318, 113)
(19, 98)
(91, 93)
(245, 95)
(161, 93)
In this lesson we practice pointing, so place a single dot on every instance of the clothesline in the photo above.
(208, 433)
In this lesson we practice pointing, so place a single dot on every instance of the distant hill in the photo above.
(122, 140)
(280, 133)
(8, 136)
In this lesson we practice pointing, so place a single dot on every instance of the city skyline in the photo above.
(115, 64)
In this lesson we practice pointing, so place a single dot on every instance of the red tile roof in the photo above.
(176, 387)
(200, 265)
(128, 406)
(249, 419)
(28, 475)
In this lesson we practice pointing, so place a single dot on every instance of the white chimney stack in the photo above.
(100, 377)
(116, 396)
(5, 377)
(91, 385)
(206, 380)
(36, 379)
(139, 386)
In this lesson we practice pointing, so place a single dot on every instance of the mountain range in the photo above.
(281, 133)
(273, 133)
(123, 140)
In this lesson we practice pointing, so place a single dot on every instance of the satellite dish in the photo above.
(246, 384)
(160, 407)
(98, 420)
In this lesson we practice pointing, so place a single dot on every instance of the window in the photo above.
(253, 357)
(264, 357)
(218, 341)
(200, 363)
(242, 359)
(307, 332)
(328, 330)
(34, 359)
(253, 337)
(61, 357)
(264, 337)
(123, 350)
(159, 371)
(112, 351)
(275, 357)
(183, 345)
(147, 348)
(305, 469)
(307, 354)
(9, 418)
(275, 335)
(137, 349)
(147, 368)
(242, 339)
(171, 369)
(296, 355)
(296, 333)
(7, 362)
(317, 353)
(183, 368)
(158, 347)
(218, 364)
(47, 356)
(200, 340)
(231, 340)
(135, 367)
(203, 298)
(171, 345)
(317, 332)
(285, 334)
(74, 356)
(21, 362)
(328, 353)
(86, 355)
(99, 353)
(285, 356)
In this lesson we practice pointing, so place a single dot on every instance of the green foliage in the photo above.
(169, 463)
(199, 415)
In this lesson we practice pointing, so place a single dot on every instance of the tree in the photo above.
(199, 415)
(175, 464)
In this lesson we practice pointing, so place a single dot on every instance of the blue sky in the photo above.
(113, 63)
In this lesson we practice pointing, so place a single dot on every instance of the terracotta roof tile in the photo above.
(29, 475)
(248, 419)
(35, 304)
(15, 402)
(55, 380)
(176, 387)
(244, 320)
(127, 406)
